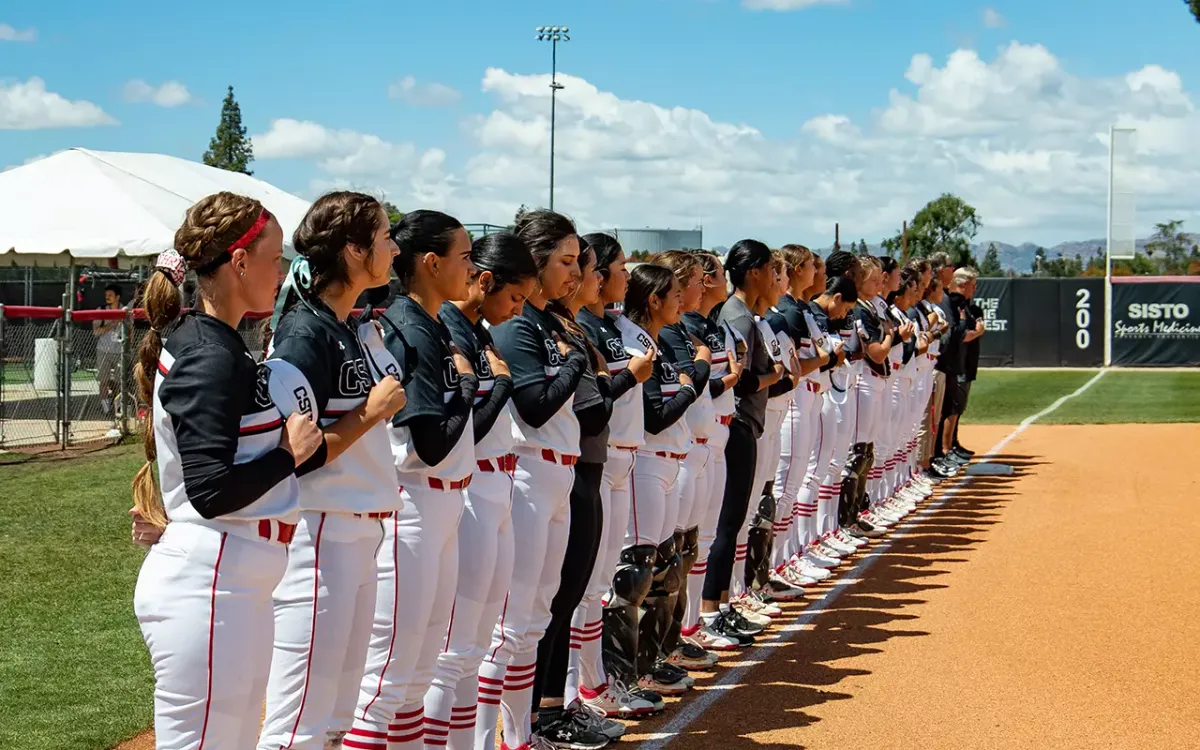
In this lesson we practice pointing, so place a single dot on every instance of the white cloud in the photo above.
(29, 106)
(785, 5)
(992, 18)
(1015, 134)
(423, 94)
(168, 94)
(9, 34)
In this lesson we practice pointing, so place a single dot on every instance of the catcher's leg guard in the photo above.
(868, 463)
(630, 586)
(655, 613)
(689, 550)
(758, 547)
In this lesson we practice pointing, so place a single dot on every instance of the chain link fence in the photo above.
(66, 376)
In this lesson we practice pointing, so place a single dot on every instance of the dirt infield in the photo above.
(1045, 609)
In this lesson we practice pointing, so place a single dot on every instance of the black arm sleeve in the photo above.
(659, 414)
(678, 350)
(205, 402)
(488, 412)
(716, 386)
(782, 386)
(537, 402)
(699, 375)
(622, 383)
(435, 435)
(747, 385)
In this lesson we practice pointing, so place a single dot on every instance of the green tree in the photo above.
(1169, 247)
(394, 214)
(991, 262)
(946, 224)
(1140, 265)
(1038, 267)
(1194, 5)
(230, 149)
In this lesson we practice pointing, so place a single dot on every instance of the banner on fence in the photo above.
(994, 297)
(1156, 322)
(1041, 322)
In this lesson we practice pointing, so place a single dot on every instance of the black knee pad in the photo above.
(764, 517)
(632, 580)
(758, 556)
(672, 565)
(690, 552)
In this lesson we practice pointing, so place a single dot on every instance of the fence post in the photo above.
(123, 396)
(67, 366)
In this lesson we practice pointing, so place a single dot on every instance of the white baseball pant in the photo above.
(654, 502)
(798, 436)
(203, 599)
(586, 675)
(323, 611)
(541, 518)
(418, 572)
(706, 511)
(870, 398)
(485, 567)
(842, 440)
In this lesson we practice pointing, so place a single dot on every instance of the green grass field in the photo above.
(73, 668)
(1009, 396)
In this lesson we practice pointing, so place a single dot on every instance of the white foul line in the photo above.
(783, 635)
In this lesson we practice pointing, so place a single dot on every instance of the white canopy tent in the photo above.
(80, 206)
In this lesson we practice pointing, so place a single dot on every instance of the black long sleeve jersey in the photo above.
(217, 429)
(429, 436)
(493, 420)
(332, 357)
(626, 426)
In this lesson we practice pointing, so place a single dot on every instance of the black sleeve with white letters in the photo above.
(537, 398)
(317, 358)
(660, 414)
(204, 393)
(678, 348)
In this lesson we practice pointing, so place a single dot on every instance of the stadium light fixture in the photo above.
(554, 35)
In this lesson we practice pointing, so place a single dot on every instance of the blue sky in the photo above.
(756, 122)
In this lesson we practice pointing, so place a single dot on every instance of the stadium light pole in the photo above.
(554, 35)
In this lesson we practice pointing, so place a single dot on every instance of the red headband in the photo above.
(251, 233)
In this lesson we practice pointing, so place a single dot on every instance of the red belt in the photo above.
(701, 441)
(506, 463)
(666, 454)
(376, 516)
(267, 530)
(625, 447)
(441, 484)
(559, 458)
(725, 420)
(812, 387)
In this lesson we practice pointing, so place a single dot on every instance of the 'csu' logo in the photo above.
(262, 391)
(1157, 311)
(450, 373)
(303, 402)
(616, 350)
(353, 378)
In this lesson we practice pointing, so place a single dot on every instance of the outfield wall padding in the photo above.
(1060, 322)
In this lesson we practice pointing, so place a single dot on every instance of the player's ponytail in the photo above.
(213, 228)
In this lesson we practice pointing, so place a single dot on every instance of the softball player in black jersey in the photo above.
(749, 267)
(651, 302)
(504, 276)
(545, 371)
(693, 357)
(325, 602)
(226, 460)
(434, 456)
(609, 688)
(724, 374)
(573, 725)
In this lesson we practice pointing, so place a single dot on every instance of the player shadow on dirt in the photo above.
(807, 671)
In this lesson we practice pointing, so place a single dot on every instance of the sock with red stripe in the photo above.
(695, 588)
(516, 704)
(464, 712)
(737, 586)
(407, 731)
(491, 687)
(587, 627)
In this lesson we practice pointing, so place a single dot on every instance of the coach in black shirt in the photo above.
(956, 359)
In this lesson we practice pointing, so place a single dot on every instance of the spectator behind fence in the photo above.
(109, 343)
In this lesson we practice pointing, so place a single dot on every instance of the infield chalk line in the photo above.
(788, 633)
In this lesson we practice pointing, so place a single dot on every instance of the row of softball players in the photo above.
(278, 481)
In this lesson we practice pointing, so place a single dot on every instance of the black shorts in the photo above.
(955, 401)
